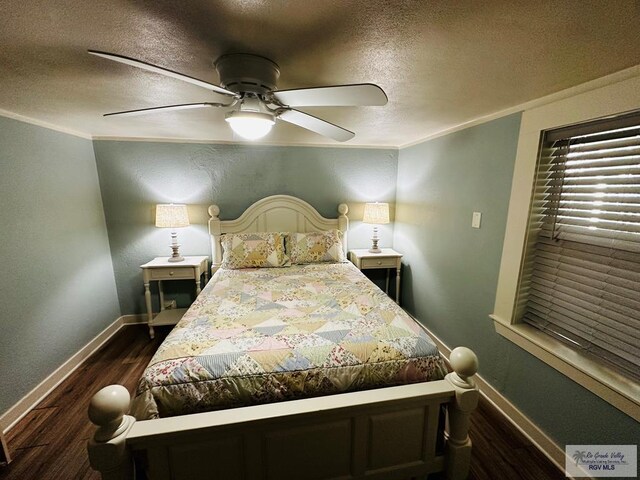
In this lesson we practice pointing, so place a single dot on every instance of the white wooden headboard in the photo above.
(277, 213)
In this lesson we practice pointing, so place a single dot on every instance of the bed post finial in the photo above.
(465, 365)
(214, 211)
(215, 232)
(107, 449)
(343, 225)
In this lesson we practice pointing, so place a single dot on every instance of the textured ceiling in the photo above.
(441, 63)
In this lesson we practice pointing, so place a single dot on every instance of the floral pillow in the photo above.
(251, 250)
(316, 247)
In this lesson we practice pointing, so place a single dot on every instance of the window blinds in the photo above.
(581, 280)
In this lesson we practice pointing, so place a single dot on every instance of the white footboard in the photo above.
(387, 433)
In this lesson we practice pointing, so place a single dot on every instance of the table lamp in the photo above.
(376, 214)
(172, 215)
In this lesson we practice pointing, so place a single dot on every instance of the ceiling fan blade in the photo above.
(316, 124)
(184, 106)
(162, 71)
(362, 94)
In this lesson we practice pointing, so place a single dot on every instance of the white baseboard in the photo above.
(5, 459)
(134, 319)
(9, 418)
(519, 420)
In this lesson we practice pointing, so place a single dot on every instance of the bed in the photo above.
(302, 370)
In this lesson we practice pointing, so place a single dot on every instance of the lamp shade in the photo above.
(171, 215)
(377, 213)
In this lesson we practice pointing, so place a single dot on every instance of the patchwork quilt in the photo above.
(272, 334)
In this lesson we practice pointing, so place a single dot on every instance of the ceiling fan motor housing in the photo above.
(244, 72)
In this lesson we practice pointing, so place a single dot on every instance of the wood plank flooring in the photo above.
(50, 442)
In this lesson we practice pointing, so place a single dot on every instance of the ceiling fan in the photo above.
(254, 101)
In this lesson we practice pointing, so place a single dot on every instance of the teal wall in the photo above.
(451, 273)
(61, 270)
(57, 282)
(135, 176)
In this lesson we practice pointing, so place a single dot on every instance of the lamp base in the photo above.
(374, 241)
(175, 256)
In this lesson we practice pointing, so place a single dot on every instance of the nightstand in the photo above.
(387, 259)
(160, 269)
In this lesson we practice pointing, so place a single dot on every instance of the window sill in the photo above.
(612, 387)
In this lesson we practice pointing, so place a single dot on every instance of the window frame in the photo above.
(606, 97)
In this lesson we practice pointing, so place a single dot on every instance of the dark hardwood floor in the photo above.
(50, 442)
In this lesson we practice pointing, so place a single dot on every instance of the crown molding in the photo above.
(43, 124)
(569, 92)
(107, 138)
(616, 77)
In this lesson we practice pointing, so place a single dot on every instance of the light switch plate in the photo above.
(475, 220)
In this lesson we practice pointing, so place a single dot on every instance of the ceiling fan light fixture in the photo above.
(250, 125)
(251, 83)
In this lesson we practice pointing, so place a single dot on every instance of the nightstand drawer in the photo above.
(170, 273)
(383, 262)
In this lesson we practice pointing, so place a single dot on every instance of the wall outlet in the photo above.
(170, 304)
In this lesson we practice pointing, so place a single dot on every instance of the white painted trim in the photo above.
(138, 319)
(554, 97)
(599, 379)
(607, 100)
(591, 85)
(12, 416)
(237, 143)
(612, 99)
(5, 458)
(518, 419)
(43, 124)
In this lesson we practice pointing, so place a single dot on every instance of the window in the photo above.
(603, 98)
(581, 276)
